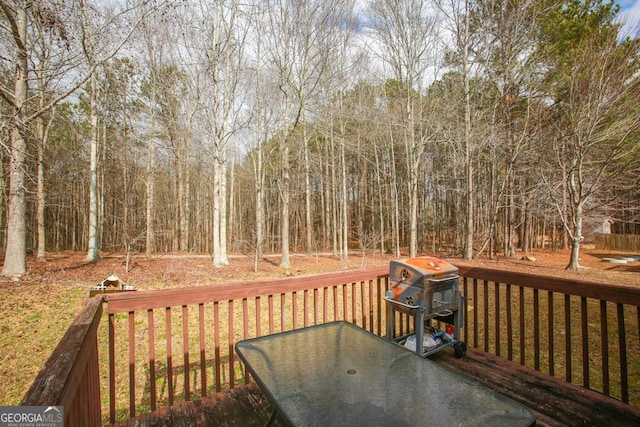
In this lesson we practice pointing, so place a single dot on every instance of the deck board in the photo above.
(241, 406)
(553, 401)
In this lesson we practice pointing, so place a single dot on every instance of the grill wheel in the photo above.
(460, 349)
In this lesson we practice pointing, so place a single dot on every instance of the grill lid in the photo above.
(419, 271)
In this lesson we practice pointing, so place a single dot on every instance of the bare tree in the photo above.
(99, 45)
(223, 57)
(155, 37)
(405, 32)
(298, 48)
(458, 23)
(593, 139)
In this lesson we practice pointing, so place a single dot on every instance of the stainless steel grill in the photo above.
(427, 289)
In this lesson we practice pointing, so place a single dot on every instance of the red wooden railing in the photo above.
(177, 344)
(190, 333)
(551, 324)
(70, 377)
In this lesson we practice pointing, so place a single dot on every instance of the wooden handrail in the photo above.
(145, 300)
(618, 294)
(70, 377)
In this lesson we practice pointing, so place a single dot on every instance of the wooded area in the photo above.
(471, 127)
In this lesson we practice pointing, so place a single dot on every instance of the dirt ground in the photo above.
(36, 310)
(71, 270)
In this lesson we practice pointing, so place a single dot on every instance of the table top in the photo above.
(339, 374)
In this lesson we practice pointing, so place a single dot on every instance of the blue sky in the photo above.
(631, 13)
(631, 7)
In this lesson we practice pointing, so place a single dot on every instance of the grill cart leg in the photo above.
(419, 326)
(459, 347)
(390, 321)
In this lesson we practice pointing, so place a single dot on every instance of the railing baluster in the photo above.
(216, 343)
(169, 356)
(258, 317)
(185, 353)
(354, 318)
(622, 346)
(363, 305)
(294, 307)
(604, 337)
(536, 330)
(485, 308)
(497, 316)
(370, 305)
(354, 304)
(132, 365)
(231, 341)
(203, 346)
(345, 307)
(325, 305)
(283, 317)
(509, 323)
(245, 318)
(465, 302)
(550, 332)
(271, 314)
(585, 342)
(305, 299)
(112, 368)
(315, 306)
(475, 313)
(381, 291)
(152, 359)
(245, 329)
(522, 331)
(567, 338)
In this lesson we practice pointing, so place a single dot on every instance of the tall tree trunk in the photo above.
(230, 218)
(92, 252)
(395, 197)
(42, 255)
(217, 259)
(334, 203)
(286, 176)
(345, 200)
(307, 198)
(151, 184)
(15, 262)
(259, 190)
(223, 256)
(380, 195)
(468, 155)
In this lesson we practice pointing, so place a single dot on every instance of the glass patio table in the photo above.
(337, 374)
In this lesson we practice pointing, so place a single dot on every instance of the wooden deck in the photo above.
(553, 401)
(241, 406)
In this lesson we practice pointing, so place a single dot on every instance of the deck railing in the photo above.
(70, 378)
(173, 345)
(586, 333)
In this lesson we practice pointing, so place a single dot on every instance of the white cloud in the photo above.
(630, 16)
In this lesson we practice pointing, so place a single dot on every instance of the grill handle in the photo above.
(401, 303)
(444, 279)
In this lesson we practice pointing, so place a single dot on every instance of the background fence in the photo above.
(618, 242)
